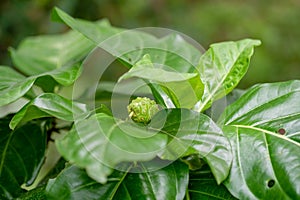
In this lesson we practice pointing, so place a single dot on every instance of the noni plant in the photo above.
(170, 126)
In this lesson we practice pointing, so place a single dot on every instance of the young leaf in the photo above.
(21, 156)
(101, 142)
(40, 54)
(272, 106)
(222, 67)
(190, 133)
(175, 84)
(50, 105)
(175, 52)
(73, 183)
(265, 165)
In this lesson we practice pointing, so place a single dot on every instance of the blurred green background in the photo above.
(276, 23)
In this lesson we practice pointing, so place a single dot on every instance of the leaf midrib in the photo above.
(5, 151)
(115, 189)
(207, 194)
(149, 180)
(271, 164)
(268, 132)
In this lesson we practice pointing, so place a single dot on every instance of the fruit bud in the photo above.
(142, 109)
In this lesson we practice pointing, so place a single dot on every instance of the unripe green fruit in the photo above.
(142, 109)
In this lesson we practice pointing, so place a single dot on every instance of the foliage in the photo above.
(207, 21)
(250, 152)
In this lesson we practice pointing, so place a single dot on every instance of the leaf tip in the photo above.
(55, 14)
(252, 42)
(256, 42)
(12, 125)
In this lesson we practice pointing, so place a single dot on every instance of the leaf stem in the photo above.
(119, 183)
(187, 194)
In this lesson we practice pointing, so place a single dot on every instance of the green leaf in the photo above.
(259, 150)
(130, 45)
(174, 178)
(172, 51)
(94, 31)
(175, 84)
(40, 54)
(50, 105)
(14, 85)
(222, 67)
(273, 106)
(73, 183)
(190, 133)
(124, 89)
(202, 185)
(65, 75)
(9, 76)
(266, 165)
(21, 156)
(100, 142)
(177, 53)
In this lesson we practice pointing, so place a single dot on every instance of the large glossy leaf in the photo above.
(100, 142)
(222, 67)
(261, 126)
(130, 45)
(266, 165)
(21, 156)
(175, 84)
(273, 106)
(202, 185)
(191, 132)
(50, 105)
(73, 183)
(14, 85)
(41, 54)
(151, 177)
